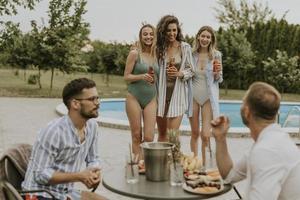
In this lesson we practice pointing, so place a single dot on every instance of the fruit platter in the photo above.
(198, 181)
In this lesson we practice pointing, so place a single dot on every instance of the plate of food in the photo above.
(211, 183)
(193, 175)
(203, 189)
(141, 166)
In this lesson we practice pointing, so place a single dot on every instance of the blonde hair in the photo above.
(212, 48)
(141, 46)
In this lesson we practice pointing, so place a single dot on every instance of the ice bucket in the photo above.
(157, 156)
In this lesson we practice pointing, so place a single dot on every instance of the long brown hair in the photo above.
(213, 44)
(161, 30)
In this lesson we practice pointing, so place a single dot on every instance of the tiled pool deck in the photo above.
(22, 118)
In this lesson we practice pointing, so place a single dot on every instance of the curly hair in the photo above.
(161, 34)
(212, 46)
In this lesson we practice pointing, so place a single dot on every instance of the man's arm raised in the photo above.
(220, 128)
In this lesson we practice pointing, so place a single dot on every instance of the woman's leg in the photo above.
(194, 122)
(134, 114)
(162, 129)
(207, 116)
(174, 122)
(149, 115)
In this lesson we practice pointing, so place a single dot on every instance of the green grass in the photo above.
(12, 85)
(15, 86)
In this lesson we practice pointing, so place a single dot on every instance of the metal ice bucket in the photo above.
(157, 157)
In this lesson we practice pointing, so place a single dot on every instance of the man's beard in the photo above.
(88, 115)
(245, 121)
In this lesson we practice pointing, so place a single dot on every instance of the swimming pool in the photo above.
(115, 109)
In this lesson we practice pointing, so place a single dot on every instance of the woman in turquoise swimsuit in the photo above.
(141, 74)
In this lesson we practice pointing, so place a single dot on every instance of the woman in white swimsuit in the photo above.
(208, 75)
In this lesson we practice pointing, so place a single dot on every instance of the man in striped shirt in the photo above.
(65, 144)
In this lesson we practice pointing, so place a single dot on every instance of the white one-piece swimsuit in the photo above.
(200, 91)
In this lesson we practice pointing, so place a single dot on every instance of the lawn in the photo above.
(12, 85)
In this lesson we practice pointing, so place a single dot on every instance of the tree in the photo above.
(93, 59)
(243, 15)
(62, 40)
(37, 52)
(20, 52)
(8, 29)
(120, 61)
(189, 39)
(266, 38)
(238, 58)
(108, 57)
(9, 7)
(283, 72)
(8, 32)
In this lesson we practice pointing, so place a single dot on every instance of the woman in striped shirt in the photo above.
(176, 70)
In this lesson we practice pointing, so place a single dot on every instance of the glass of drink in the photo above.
(176, 174)
(209, 160)
(131, 170)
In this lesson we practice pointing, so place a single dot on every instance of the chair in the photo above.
(298, 144)
(237, 192)
(9, 192)
(14, 177)
(14, 172)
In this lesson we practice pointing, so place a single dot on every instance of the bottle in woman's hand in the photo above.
(151, 73)
(217, 63)
(172, 62)
(171, 69)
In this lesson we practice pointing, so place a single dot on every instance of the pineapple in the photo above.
(173, 136)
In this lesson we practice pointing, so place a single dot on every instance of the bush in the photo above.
(33, 79)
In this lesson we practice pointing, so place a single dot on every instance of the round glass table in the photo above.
(114, 180)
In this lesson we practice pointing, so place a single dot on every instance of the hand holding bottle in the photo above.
(151, 73)
(217, 66)
(171, 69)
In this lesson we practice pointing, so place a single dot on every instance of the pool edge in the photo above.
(185, 130)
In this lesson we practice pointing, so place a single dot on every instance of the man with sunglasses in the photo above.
(65, 144)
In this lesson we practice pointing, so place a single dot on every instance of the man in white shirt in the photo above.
(272, 166)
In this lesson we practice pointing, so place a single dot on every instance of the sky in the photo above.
(120, 20)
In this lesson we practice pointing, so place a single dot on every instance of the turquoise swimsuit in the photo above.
(141, 89)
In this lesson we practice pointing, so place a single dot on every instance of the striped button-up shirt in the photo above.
(58, 148)
(182, 97)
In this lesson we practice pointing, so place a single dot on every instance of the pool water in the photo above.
(116, 109)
